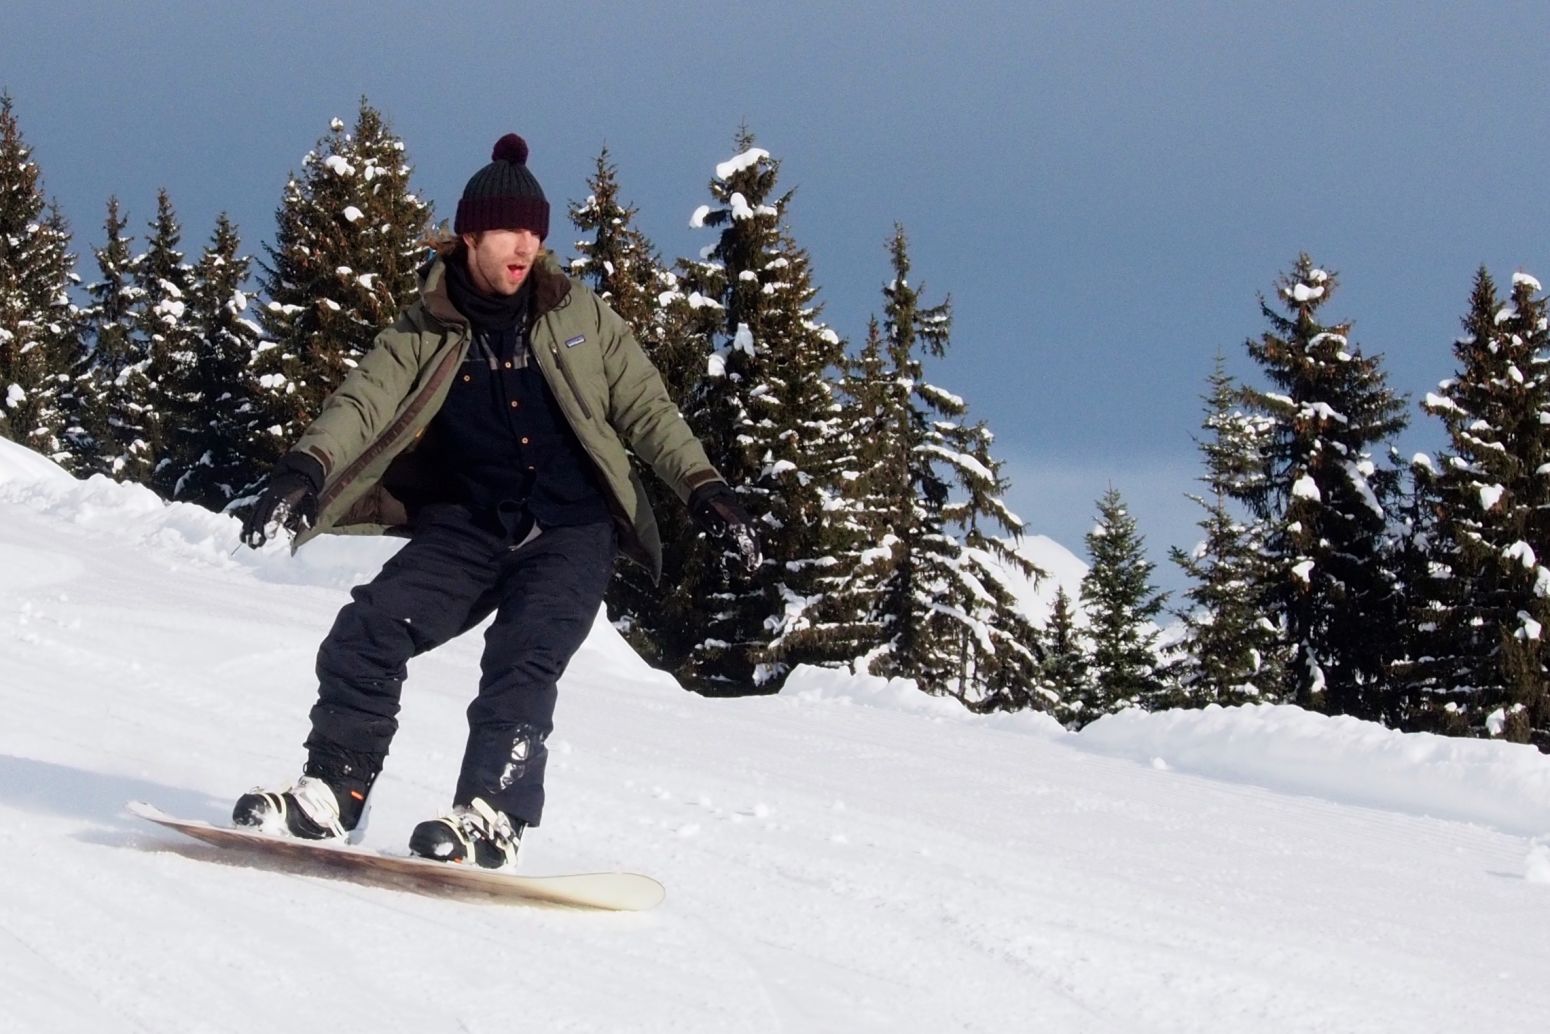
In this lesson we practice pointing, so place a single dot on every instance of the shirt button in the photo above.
(508, 364)
(524, 441)
(514, 403)
(468, 377)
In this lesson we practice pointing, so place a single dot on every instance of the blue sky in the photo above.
(1103, 188)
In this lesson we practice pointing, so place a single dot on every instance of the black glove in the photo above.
(716, 510)
(289, 500)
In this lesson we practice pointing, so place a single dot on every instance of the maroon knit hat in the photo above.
(504, 195)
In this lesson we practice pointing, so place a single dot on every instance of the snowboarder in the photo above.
(490, 425)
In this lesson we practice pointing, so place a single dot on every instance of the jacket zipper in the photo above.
(570, 382)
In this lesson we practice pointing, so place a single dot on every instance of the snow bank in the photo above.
(23, 465)
(829, 686)
(1286, 749)
(1503, 785)
(180, 532)
(1536, 867)
(807, 682)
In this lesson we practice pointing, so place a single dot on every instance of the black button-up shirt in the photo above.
(505, 443)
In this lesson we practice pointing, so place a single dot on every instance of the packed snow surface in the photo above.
(850, 855)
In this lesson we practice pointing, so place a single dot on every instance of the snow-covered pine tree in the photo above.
(619, 262)
(211, 395)
(878, 501)
(1230, 650)
(1122, 607)
(1427, 590)
(164, 345)
(40, 347)
(925, 583)
(1490, 663)
(348, 242)
(1065, 667)
(1000, 649)
(1328, 502)
(109, 330)
(768, 415)
(910, 492)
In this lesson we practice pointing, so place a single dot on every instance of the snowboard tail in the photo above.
(613, 891)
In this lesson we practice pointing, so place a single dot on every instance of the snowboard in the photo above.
(614, 891)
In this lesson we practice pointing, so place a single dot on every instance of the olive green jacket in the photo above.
(610, 393)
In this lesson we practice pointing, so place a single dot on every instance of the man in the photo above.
(490, 424)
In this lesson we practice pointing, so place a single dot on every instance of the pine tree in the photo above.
(622, 266)
(163, 345)
(343, 264)
(1000, 651)
(899, 425)
(1230, 648)
(1421, 657)
(877, 505)
(1122, 607)
(1065, 668)
(211, 395)
(1329, 504)
(1490, 666)
(109, 327)
(768, 415)
(927, 582)
(40, 347)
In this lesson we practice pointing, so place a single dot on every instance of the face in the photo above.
(499, 260)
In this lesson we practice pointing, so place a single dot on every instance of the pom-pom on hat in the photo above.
(503, 195)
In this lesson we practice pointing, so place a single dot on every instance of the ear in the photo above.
(470, 240)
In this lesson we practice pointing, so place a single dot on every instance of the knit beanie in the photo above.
(503, 195)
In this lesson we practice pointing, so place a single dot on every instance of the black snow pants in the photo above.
(448, 578)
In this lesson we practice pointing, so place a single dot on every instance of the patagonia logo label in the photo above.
(574, 341)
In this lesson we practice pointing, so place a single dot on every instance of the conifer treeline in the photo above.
(1329, 574)
(1338, 577)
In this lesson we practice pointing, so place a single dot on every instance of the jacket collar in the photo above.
(551, 290)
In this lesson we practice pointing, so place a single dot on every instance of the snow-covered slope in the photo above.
(1061, 569)
(847, 856)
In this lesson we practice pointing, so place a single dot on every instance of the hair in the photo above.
(448, 245)
(442, 241)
